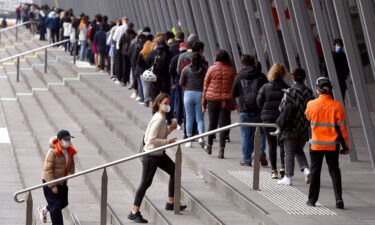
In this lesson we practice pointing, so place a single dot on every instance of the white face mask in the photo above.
(65, 144)
(165, 108)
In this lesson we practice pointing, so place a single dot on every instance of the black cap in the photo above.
(63, 134)
(322, 82)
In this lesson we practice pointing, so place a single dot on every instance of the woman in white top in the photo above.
(67, 28)
(156, 136)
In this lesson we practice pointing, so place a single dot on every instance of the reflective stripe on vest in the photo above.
(330, 143)
(327, 124)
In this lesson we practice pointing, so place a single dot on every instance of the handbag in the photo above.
(149, 76)
(229, 105)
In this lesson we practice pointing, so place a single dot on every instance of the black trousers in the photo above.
(103, 58)
(54, 35)
(150, 164)
(118, 65)
(272, 147)
(332, 159)
(56, 202)
(126, 66)
(217, 117)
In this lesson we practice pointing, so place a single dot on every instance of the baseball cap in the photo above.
(322, 82)
(63, 134)
(183, 45)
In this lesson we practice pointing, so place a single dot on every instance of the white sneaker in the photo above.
(285, 181)
(179, 127)
(133, 95)
(307, 174)
(117, 82)
(201, 142)
(189, 144)
(42, 213)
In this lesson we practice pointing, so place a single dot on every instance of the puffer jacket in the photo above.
(269, 99)
(55, 163)
(218, 83)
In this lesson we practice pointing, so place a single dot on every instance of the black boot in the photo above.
(221, 153)
(208, 149)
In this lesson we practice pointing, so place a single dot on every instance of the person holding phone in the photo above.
(156, 136)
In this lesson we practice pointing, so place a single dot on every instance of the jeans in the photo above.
(82, 52)
(272, 146)
(67, 43)
(150, 164)
(294, 147)
(193, 109)
(247, 135)
(218, 117)
(332, 159)
(140, 88)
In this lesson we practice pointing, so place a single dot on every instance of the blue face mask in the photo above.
(338, 49)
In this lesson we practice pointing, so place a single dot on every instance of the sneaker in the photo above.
(201, 142)
(138, 98)
(227, 139)
(274, 174)
(42, 213)
(122, 84)
(285, 181)
(133, 95)
(147, 104)
(263, 160)
(117, 82)
(137, 217)
(189, 144)
(179, 127)
(170, 206)
(141, 103)
(307, 174)
(282, 172)
(242, 163)
(131, 87)
(340, 204)
(308, 203)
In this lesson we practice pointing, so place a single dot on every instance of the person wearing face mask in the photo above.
(58, 163)
(156, 136)
(341, 64)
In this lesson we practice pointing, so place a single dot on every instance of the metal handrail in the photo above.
(17, 25)
(33, 50)
(104, 166)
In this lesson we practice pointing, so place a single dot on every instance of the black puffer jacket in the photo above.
(248, 75)
(269, 98)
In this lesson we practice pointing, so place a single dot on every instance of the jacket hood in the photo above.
(163, 47)
(249, 73)
(54, 144)
(52, 14)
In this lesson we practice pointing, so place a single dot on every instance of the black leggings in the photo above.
(272, 146)
(150, 164)
(218, 117)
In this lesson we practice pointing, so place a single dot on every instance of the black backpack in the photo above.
(250, 92)
(159, 63)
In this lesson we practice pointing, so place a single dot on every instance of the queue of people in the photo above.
(173, 77)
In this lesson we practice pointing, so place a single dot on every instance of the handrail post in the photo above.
(16, 34)
(18, 69)
(45, 60)
(256, 159)
(75, 48)
(29, 209)
(177, 181)
(103, 200)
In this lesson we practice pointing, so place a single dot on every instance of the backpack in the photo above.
(159, 62)
(250, 92)
(89, 33)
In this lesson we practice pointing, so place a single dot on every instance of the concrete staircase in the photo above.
(109, 126)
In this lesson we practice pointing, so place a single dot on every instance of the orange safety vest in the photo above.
(326, 116)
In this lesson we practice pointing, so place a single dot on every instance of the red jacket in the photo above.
(218, 83)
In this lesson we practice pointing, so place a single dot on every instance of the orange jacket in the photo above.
(326, 117)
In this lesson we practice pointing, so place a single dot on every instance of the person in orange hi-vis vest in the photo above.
(328, 131)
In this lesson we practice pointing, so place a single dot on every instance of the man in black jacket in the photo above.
(341, 64)
(125, 42)
(175, 46)
(246, 86)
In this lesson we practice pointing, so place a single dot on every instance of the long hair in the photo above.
(147, 48)
(158, 99)
(276, 71)
(196, 62)
(84, 21)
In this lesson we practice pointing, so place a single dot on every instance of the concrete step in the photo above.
(41, 132)
(111, 118)
(90, 126)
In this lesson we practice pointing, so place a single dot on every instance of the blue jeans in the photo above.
(193, 109)
(140, 88)
(247, 135)
(82, 52)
